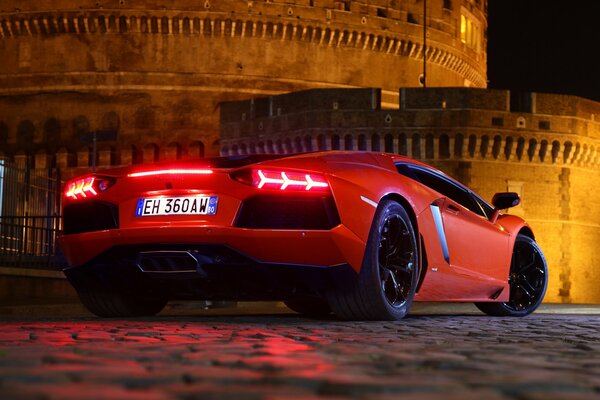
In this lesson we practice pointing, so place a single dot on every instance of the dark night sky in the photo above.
(545, 46)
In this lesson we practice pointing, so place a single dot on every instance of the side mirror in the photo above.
(503, 201)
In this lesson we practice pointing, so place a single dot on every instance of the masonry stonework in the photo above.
(545, 147)
(154, 73)
(154, 76)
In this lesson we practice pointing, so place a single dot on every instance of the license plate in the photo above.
(185, 205)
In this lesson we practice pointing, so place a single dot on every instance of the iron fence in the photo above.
(29, 216)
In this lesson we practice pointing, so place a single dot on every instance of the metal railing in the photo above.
(30, 242)
(29, 216)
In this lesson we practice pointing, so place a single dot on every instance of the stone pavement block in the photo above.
(89, 391)
(287, 357)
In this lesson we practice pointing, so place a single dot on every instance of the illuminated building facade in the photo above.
(149, 76)
(155, 74)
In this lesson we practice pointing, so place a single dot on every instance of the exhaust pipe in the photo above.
(172, 262)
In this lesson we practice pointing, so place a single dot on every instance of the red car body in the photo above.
(311, 214)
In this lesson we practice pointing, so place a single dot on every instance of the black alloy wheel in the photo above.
(388, 278)
(528, 281)
(396, 261)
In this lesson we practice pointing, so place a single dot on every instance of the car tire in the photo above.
(312, 308)
(388, 278)
(112, 304)
(528, 281)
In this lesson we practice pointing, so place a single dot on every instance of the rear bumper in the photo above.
(299, 247)
(221, 273)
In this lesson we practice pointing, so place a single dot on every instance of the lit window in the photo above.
(470, 30)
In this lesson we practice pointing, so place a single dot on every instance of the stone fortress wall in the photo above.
(545, 147)
(154, 72)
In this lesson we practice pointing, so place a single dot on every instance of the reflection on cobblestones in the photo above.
(286, 357)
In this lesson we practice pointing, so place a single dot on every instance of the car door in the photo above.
(475, 251)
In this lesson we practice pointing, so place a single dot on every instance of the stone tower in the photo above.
(154, 72)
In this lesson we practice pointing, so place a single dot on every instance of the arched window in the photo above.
(164, 25)
(101, 24)
(288, 146)
(321, 142)
(362, 142)
(402, 144)
(484, 146)
(543, 150)
(567, 151)
(520, 148)
(137, 156)
(154, 25)
(508, 147)
(375, 142)
(388, 143)
(297, 144)
(497, 146)
(123, 24)
(531, 151)
(308, 143)
(150, 153)
(416, 146)
(52, 134)
(459, 142)
(335, 142)
(429, 147)
(472, 145)
(348, 142)
(444, 146)
(555, 150)
(25, 135)
(196, 150)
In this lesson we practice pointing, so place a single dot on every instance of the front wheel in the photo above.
(387, 281)
(528, 280)
(312, 308)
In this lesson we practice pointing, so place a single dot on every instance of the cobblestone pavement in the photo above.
(283, 356)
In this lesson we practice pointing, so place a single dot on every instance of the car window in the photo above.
(487, 209)
(443, 186)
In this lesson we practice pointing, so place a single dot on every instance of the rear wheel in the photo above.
(113, 304)
(116, 292)
(388, 278)
(528, 281)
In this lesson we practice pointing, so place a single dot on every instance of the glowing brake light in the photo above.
(86, 187)
(171, 172)
(282, 180)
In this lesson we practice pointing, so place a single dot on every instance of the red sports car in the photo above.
(359, 234)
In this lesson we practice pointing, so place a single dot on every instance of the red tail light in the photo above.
(86, 187)
(172, 171)
(282, 180)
